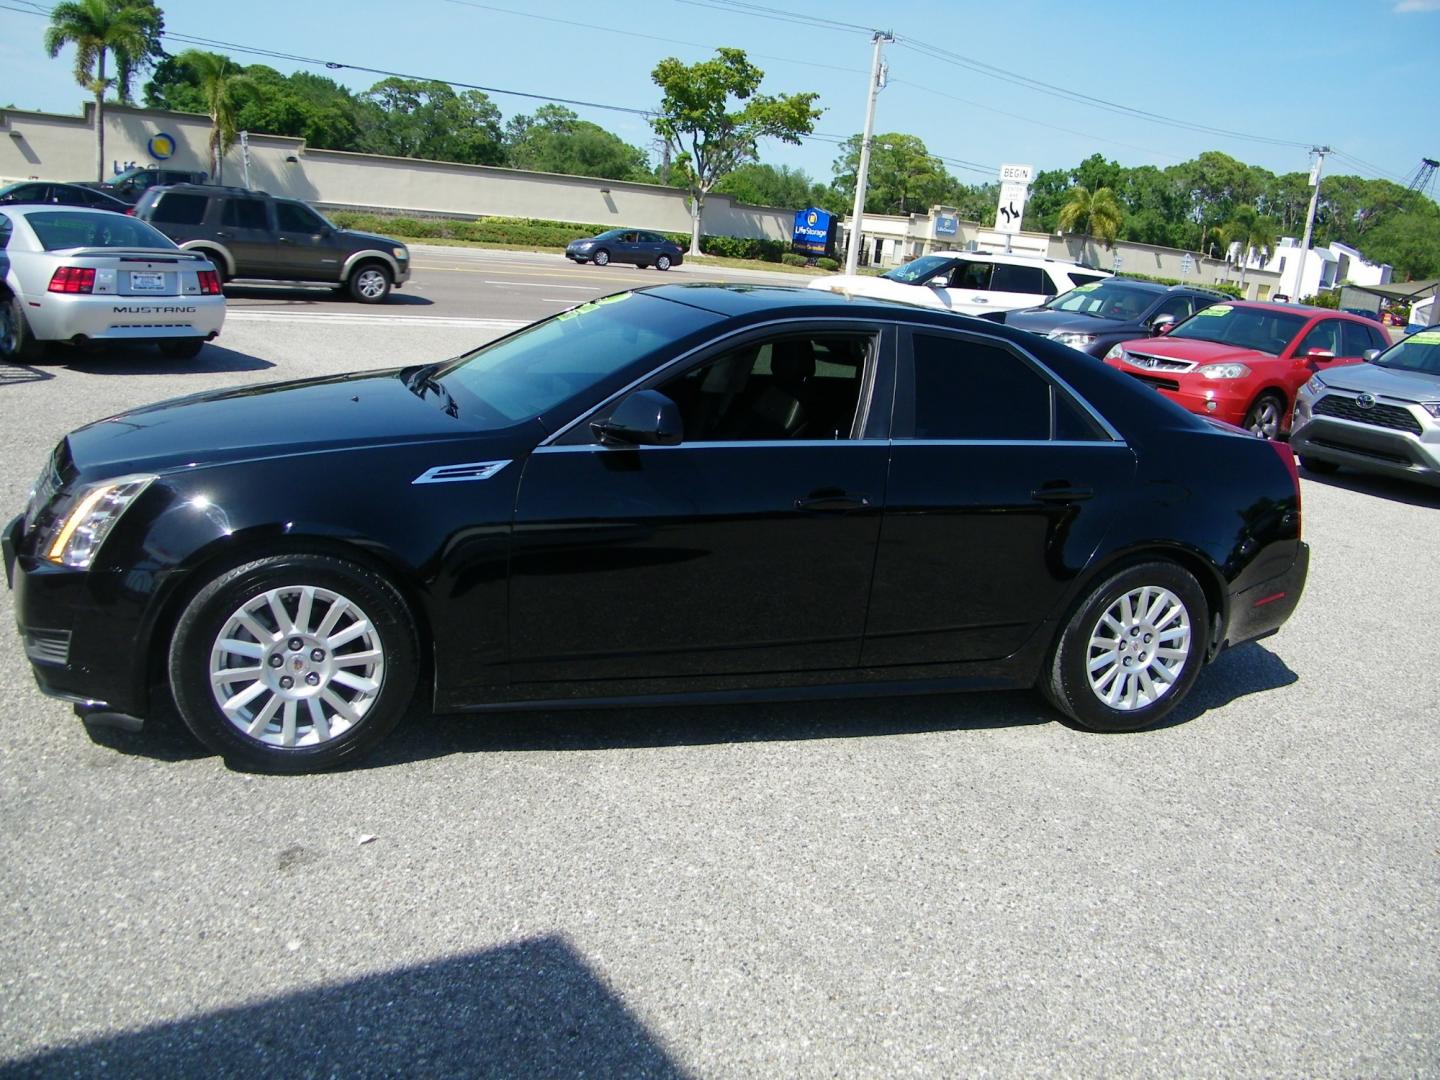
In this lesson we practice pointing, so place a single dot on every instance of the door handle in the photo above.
(223, 235)
(1061, 493)
(979, 300)
(833, 502)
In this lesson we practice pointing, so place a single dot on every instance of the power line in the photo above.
(736, 7)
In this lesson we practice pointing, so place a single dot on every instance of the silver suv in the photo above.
(1382, 416)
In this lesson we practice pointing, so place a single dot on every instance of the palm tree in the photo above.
(1253, 233)
(219, 77)
(1099, 215)
(97, 29)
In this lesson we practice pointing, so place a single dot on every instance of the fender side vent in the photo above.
(455, 474)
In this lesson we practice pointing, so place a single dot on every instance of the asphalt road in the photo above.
(934, 886)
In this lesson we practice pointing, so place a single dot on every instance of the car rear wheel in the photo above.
(370, 283)
(601, 258)
(17, 343)
(1315, 465)
(1131, 651)
(1266, 415)
(662, 263)
(184, 349)
(294, 663)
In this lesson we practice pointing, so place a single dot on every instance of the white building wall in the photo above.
(46, 146)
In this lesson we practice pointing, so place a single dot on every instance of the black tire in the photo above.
(662, 263)
(1067, 683)
(17, 343)
(369, 282)
(601, 258)
(1266, 415)
(373, 709)
(1316, 466)
(183, 349)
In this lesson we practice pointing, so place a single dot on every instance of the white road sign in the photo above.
(1021, 174)
(1011, 210)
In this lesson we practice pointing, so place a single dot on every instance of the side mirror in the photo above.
(1319, 354)
(1371, 354)
(1162, 324)
(646, 418)
(940, 281)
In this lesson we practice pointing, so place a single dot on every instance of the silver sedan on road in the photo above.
(94, 277)
(1382, 416)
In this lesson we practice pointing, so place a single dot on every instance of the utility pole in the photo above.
(1309, 219)
(862, 175)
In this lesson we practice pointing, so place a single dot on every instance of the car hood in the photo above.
(1043, 321)
(1374, 379)
(272, 420)
(1194, 351)
(375, 240)
(878, 287)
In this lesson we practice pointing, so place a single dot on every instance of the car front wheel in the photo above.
(1266, 415)
(1131, 651)
(294, 663)
(601, 258)
(370, 283)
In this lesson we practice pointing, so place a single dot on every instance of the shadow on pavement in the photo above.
(14, 374)
(1412, 493)
(530, 1009)
(142, 360)
(284, 296)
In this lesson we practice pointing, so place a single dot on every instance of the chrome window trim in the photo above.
(729, 444)
(859, 325)
(1118, 444)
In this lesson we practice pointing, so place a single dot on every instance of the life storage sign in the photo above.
(814, 232)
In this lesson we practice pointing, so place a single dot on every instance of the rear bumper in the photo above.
(1262, 609)
(57, 317)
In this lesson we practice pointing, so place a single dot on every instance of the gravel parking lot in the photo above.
(926, 886)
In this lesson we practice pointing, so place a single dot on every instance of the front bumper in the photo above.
(1369, 447)
(61, 317)
(81, 629)
(1219, 399)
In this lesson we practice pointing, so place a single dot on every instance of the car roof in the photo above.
(1308, 310)
(1018, 259)
(734, 299)
(26, 209)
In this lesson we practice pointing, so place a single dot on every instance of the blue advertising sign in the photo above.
(814, 232)
(946, 224)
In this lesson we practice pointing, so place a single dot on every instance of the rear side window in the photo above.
(1323, 335)
(173, 208)
(967, 390)
(1021, 279)
(245, 214)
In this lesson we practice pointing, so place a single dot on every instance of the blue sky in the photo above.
(1359, 75)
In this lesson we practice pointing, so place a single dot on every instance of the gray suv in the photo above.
(254, 236)
(1382, 416)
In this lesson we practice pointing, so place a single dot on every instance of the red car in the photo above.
(1243, 362)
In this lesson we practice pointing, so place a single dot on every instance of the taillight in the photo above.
(73, 279)
(209, 283)
(130, 212)
(1288, 457)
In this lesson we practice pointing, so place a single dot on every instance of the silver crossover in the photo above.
(1382, 416)
(91, 276)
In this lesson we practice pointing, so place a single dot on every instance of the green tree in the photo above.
(1252, 232)
(1097, 215)
(904, 177)
(218, 77)
(427, 119)
(127, 30)
(708, 137)
(556, 140)
(767, 185)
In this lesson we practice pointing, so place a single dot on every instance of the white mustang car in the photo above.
(95, 277)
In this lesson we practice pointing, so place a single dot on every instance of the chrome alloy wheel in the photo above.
(1265, 418)
(1138, 648)
(371, 283)
(297, 666)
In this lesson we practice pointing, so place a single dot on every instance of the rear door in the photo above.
(244, 226)
(1015, 286)
(1002, 484)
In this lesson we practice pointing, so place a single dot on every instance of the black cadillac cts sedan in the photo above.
(680, 493)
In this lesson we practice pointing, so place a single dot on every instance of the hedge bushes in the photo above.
(537, 232)
(1226, 287)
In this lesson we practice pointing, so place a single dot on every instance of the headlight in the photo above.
(1115, 353)
(1224, 371)
(75, 538)
(584, 244)
(400, 253)
(1315, 385)
(1432, 407)
(1075, 341)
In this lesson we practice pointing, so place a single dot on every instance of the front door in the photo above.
(746, 548)
(1001, 486)
(305, 247)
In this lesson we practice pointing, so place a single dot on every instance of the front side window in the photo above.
(94, 228)
(245, 214)
(919, 271)
(968, 390)
(800, 386)
(292, 217)
(1260, 329)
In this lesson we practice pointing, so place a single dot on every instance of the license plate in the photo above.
(143, 282)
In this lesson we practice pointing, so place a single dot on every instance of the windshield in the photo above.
(1244, 327)
(1104, 300)
(529, 373)
(1419, 352)
(918, 271)
(94, 228)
